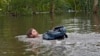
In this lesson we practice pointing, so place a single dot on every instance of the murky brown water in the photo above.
(77, 25)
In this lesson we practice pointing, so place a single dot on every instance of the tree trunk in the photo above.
(52, 7)
(75, 5)
(95, 6)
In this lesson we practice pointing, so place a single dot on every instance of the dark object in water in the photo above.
(58, 33)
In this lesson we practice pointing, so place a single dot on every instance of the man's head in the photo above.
(32, 33)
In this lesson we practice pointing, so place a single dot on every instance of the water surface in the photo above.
(75, 23)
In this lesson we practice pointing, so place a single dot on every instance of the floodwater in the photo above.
(83, 32)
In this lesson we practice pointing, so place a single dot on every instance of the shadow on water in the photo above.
(83, 31)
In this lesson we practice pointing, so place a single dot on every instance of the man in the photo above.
(32, 33)
(58, 33)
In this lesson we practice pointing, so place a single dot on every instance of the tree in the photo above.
(52, 7)
(95, 6)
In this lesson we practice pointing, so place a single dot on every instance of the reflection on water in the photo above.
(96, 23)
(76, 24)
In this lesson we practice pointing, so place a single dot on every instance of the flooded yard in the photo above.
(83, 35)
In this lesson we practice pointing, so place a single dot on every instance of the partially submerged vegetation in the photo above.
(30, 7)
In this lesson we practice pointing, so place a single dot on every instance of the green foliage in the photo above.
(23, 7)
(4, 4)
(28, 7)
